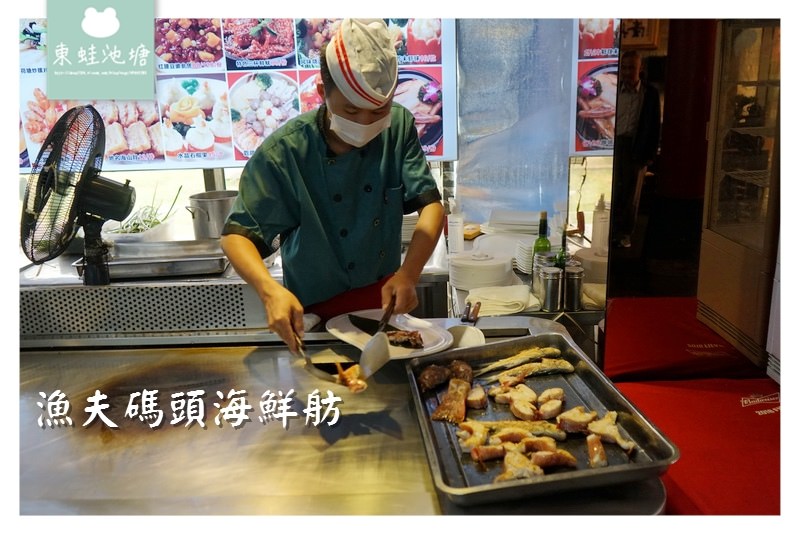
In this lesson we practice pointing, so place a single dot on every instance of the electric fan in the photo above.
(65, 192)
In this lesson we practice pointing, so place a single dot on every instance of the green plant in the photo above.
(146, 217)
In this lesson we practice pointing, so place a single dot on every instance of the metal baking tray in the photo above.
(466, 482)
(163, 259)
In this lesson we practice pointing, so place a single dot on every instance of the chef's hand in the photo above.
(405, 290)
(285, 317)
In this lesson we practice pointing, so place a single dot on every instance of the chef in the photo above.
(330, 189)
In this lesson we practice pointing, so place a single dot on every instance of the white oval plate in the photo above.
(434, 338)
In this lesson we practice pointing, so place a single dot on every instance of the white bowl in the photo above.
(464, 336)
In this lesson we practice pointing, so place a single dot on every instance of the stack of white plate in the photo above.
(507, 244)
(523, 259)
(407, 229)
(470, 270)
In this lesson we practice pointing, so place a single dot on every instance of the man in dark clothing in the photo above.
(638, 129)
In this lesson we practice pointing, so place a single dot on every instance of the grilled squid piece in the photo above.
(597, 453)
(538, 444)
(525, 356)
(471, 433)
(522, 399)
(550, 409)
(556, 393)
(492, 452)
(517, 465)
(549, 459)
(608, 431)
(509, 435)
(546, 366)
(576, 419)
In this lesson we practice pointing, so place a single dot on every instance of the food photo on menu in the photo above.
(420, 91)
(132, 129)
(260, 103)
(312, 35)
(259, 43)
(309, 95)
(596, 105)
(188, 43)
(598, 38)
(195, 117)
(417, 41)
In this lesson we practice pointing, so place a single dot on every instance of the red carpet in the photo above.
(728, 435)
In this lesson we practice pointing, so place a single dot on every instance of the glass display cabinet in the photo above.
(742, 208)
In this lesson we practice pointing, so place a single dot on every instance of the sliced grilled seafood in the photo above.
(517, 375)
(525, 356)
(538, 428)
(453, 407)
(608, 431)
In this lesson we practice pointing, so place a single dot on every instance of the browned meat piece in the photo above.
(432, 376)
(461, 370)
(453, 407)
(406, 339)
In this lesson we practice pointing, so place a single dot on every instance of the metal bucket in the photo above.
(209, 211)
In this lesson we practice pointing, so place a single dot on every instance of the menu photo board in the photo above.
(595, 75)
(224, 85)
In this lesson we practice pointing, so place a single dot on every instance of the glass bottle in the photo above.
(542, 243)
(561, 255)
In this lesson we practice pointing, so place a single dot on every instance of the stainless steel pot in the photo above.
(209, 211)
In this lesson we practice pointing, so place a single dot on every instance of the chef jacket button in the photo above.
(337, 197)
(376, 222)
(368, 188)
(382, 254)
(385, 199)
(351, 266)
(331, 162)
(343, 232)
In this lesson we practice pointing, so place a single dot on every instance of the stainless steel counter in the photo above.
(370, 462)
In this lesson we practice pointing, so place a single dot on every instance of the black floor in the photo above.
(665, 252)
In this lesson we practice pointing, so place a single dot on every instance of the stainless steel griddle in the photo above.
(371, 461)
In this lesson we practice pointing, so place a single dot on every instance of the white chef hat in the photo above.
(363, 62)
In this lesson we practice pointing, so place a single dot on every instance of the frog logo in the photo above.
(100, 24)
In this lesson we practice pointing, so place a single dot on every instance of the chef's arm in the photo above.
(426, 235)
(283, 309)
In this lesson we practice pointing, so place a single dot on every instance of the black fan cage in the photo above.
(72, 152)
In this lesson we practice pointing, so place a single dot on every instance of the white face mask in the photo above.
(356, 134)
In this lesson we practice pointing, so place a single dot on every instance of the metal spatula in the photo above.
(376, 352)
(309, 364)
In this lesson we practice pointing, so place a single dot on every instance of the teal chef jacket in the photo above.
(339, 218)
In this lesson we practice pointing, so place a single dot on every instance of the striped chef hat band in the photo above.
(363, 62)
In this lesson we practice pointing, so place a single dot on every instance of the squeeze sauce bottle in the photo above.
(600, 222)
(455, 228)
